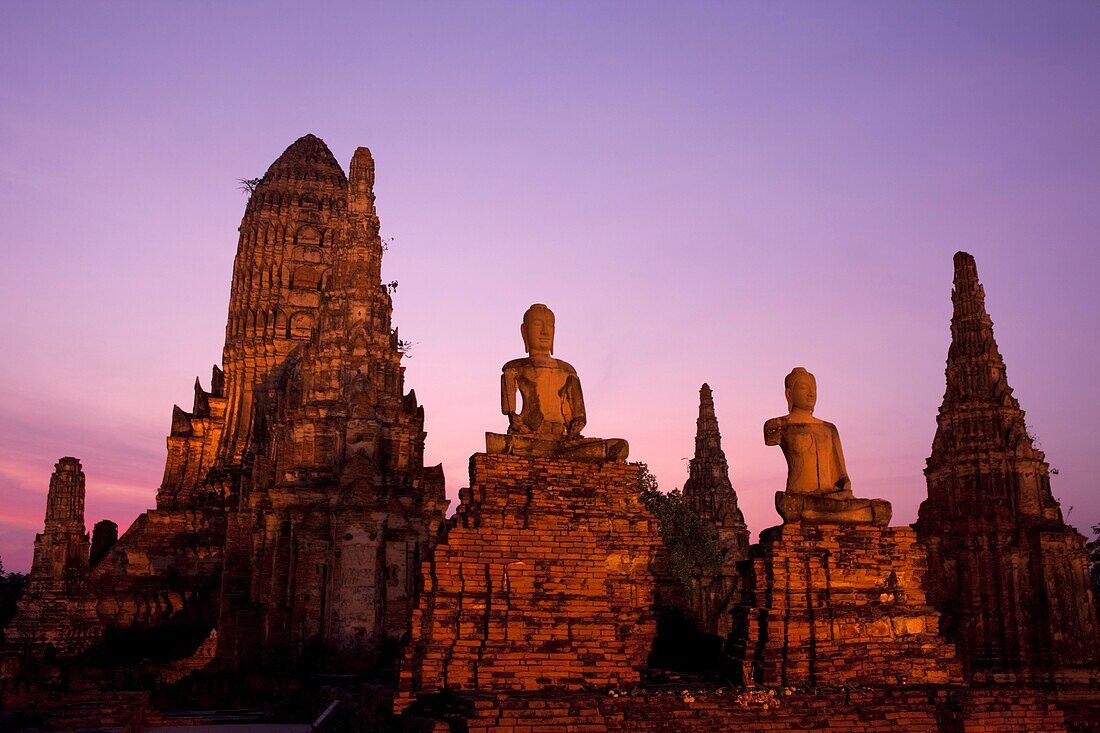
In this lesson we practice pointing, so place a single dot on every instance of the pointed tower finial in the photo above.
(708, 440)
(708, 489)
(971, 327)
(976, 379)
(361, 183)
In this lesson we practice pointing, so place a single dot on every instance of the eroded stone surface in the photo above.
(840, 604)
(543, 582)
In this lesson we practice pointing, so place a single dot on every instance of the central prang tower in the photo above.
(336, 509)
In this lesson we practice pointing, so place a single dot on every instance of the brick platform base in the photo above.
(911, 710)
(836, 604)
(543, 582)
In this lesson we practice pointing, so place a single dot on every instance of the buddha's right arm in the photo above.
(773, 431)
(508, 392)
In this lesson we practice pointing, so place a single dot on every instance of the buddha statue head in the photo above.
(800, 387)
(537, 330)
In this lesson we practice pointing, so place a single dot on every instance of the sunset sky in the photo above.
(701, 192)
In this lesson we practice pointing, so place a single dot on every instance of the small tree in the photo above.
(248, 185)
(692, 544)
(12, 587)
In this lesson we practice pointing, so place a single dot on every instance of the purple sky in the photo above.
(700, 192)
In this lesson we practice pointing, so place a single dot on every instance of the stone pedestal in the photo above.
(543, 582)
(813, 508)
(840, 604)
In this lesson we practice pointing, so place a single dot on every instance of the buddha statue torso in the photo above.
(815, 461)
(551, 394)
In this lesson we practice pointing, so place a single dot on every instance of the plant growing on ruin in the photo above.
(12, 586)
(248, 185)
(692, 544)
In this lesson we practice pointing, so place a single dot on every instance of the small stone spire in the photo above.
(57, 609)
(708, 441)
(708, 490)
(65, 501)
(61, 551)
(977, 382)
(710, 496)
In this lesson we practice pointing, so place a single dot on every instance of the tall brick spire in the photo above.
(709, 493)
(1008, 574)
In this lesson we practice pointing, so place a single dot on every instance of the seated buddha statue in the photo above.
(818, 488)
(549, 420)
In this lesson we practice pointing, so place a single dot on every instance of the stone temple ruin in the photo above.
(299, 562)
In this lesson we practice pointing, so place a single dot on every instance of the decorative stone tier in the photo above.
(543, 582)
(166, 560)
(56, 620)
(928, 710)
(840, 604)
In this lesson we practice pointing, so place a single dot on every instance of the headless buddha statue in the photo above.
(818, 488)
(552, 415)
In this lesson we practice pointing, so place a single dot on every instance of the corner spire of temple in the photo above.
(1000, 554)
(65, 500)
